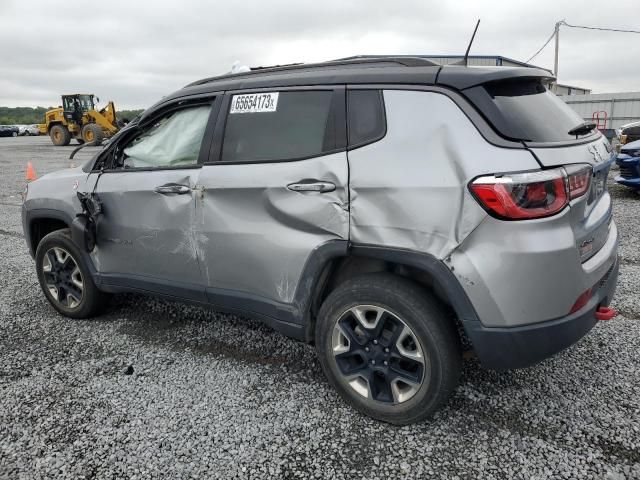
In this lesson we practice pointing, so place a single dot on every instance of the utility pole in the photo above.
(555, 63)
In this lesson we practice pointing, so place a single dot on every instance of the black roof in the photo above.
(359, 70)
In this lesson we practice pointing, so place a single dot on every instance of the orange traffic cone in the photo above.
(31, 173)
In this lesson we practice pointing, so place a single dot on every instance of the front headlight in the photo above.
(25, 192)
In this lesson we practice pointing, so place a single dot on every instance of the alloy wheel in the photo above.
(378, 355)
(63, 277)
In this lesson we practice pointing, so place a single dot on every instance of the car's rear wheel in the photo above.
(64, 277)
(388, 348)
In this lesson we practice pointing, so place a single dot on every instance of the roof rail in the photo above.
(405, 60)
(402, 60)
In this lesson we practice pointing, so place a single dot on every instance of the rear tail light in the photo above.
(531, 195)
(578, 180)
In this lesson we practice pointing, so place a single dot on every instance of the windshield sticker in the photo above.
(254, 103)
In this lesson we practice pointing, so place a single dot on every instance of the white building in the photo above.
(608, 110)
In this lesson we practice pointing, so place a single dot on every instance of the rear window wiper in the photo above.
(582, 129)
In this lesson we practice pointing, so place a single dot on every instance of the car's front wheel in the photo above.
(387, 347)
(65, 278)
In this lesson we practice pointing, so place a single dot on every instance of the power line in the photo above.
(599, 28)
(562, 22)
(542, 47)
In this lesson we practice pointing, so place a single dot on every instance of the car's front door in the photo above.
(275, 189)
(146, 238)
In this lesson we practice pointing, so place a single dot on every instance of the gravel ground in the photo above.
(156, 389)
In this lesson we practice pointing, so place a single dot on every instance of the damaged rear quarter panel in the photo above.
(409, 190)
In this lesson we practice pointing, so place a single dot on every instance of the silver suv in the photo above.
(389, 210)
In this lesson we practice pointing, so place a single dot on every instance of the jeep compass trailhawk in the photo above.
(386, 209)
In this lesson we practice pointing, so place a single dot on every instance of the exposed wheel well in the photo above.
(41, 227)
(342, 269)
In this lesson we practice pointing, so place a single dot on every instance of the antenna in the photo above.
(466, 55)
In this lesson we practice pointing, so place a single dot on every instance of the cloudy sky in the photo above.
(136, 51)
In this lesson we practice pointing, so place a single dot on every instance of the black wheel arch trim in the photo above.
(311, 280)
(31, 215)
(437, 270)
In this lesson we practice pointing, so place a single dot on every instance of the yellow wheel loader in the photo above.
(77, 118)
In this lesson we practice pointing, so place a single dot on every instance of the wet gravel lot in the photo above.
(157, 389)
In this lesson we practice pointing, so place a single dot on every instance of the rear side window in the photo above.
(365, 113)
(526, 110)
(281, 126)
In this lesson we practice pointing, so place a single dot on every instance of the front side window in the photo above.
(68, 103)
(173, 140)
(278, 126)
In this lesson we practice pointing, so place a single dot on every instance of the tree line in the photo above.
(29, 115)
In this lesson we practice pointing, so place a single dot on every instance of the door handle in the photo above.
(173, 189)
(320, 187)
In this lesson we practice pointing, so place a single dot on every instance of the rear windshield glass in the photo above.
(528, 111)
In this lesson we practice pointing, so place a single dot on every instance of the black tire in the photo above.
(92, 300)
(80, 141)
(60, 135)
(438, 346)
(92, 133)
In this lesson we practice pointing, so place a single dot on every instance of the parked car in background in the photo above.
(629, 162)
(27, 130)
(9, 131)
(629, 133)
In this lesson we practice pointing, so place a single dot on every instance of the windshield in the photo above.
(86, 102)
(82, 102)
(526, 110)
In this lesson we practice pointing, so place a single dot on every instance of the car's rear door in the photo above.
(146, 238)
(274, 190)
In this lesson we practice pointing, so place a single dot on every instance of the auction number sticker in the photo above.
(254, 103)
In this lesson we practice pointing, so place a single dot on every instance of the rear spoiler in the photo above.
(461, 78)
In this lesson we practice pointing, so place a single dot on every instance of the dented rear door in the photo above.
(275, 189)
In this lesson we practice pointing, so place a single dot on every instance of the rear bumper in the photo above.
(518, 347)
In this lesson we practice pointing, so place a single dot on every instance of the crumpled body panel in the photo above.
(145, 233)
(256, 235)
(409, 190)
